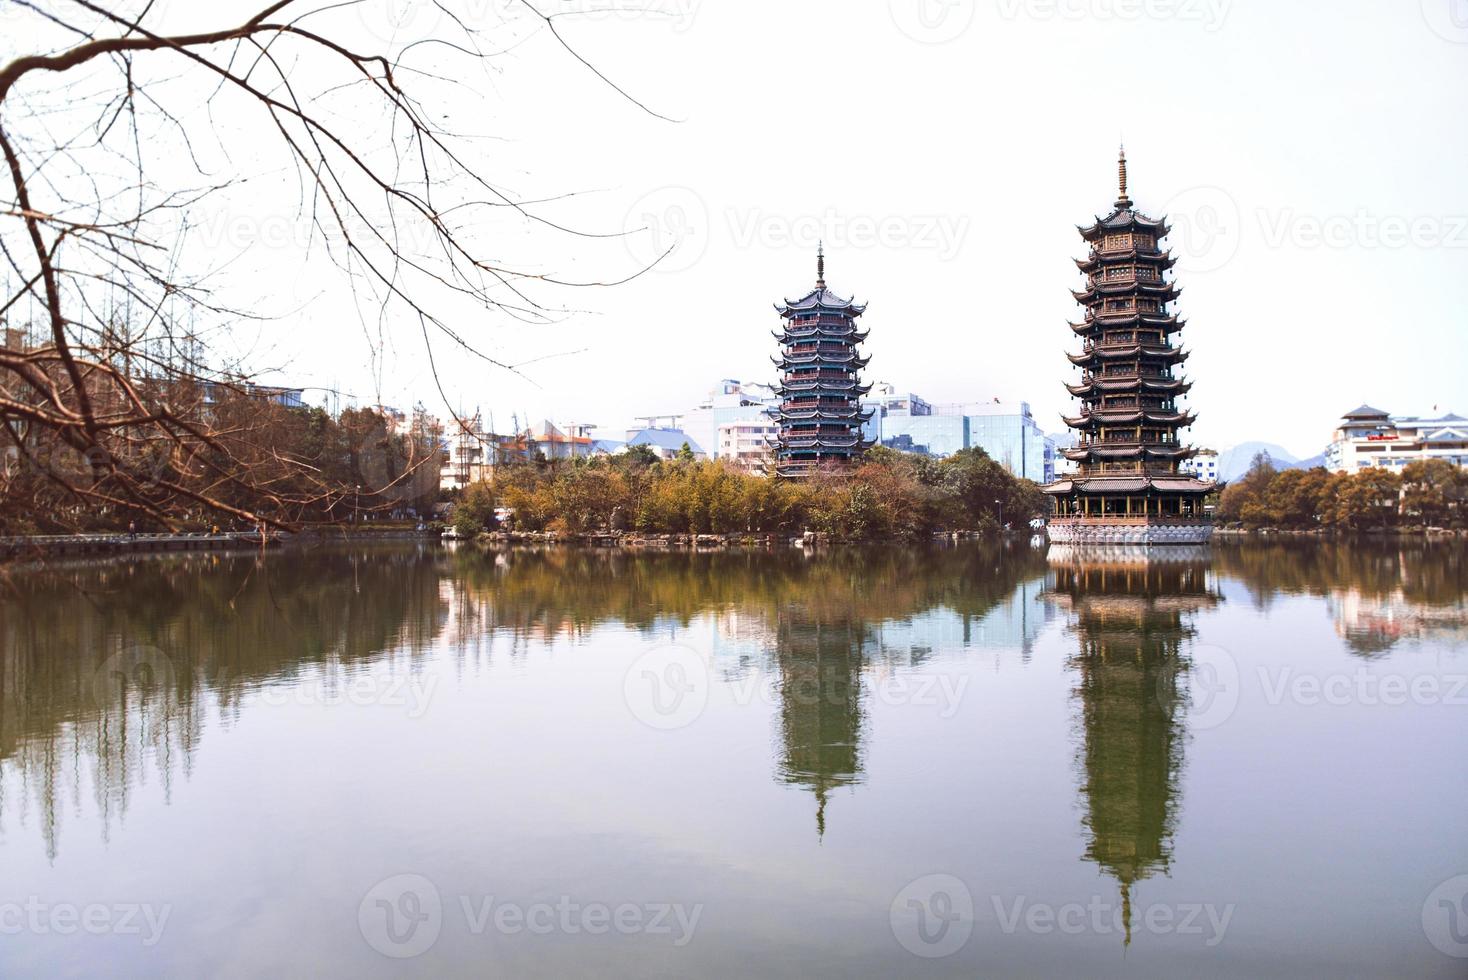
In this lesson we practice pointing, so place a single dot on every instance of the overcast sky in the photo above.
(1311, 156)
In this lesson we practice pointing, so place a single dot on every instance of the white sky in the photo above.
(1312, 158)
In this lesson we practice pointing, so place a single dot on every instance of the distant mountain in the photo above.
(1234, 463)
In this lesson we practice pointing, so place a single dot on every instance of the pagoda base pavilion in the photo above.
(1129, 510)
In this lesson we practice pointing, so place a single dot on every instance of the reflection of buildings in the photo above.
(1372, 624)
(1378, 592)
(1131, 617)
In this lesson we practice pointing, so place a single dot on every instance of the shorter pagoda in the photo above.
(820, 415)
(1128, 488)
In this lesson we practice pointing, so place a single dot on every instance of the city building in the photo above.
(730, 400)
(1369, 437)
(1127, 488)
(469, 453)
(285, 397)
(1010, 435)
(667, 443)
(820, 417)
(747, 445)
(548, 441)
(1204, 466)
(1006, 431)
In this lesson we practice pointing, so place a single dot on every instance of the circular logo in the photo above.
(1445, 917)
(667, 687)
(1206, 227)
(1211, 687)
(401, 916)
(136, 671)
(399, 21)
(932, 21)
(667, 229)
(1448, 19)
(933, 916)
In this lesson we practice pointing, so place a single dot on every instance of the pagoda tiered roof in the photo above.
(1164, 291)
(1122, 219)
(1167, 322)
(1129, 483)
(1129, 383)
(1134, 451)
(1152, 259)
(823, 300)
(1172, 355)
(843, 358)
(1127, 416)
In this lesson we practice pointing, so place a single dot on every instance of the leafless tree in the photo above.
(111, 389)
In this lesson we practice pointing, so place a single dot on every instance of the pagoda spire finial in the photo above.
(820, 265)
(1122, 201)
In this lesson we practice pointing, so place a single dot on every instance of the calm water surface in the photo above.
(1245, 761)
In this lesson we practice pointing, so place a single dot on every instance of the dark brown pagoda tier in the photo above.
(1128, 488)
(1121, 450)
(821, 300)
(1128, 352)
(1161, 291)
(1095, 386)
(1110, 260)
(1126, 416)
(820, 416)
(1151, 321)
(1121, 221)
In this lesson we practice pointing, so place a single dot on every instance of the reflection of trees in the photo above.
(564, 591)
(1379, 591)
(107, 670)
(111, 672)
(1131, 620)
(816, 617)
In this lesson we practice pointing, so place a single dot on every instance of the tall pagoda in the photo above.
(1128, 488)
(820, 414)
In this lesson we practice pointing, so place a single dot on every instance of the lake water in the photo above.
(976, 760)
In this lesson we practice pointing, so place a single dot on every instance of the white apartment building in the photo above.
(1370, 437)
(747, 444)
(1204, 466)
(730, 400)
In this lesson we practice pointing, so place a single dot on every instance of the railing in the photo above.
(1125, 519)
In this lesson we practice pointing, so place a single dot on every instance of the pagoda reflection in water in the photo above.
(1131, 612)
(820, 660)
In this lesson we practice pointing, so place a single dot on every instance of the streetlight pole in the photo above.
(1001, 515)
